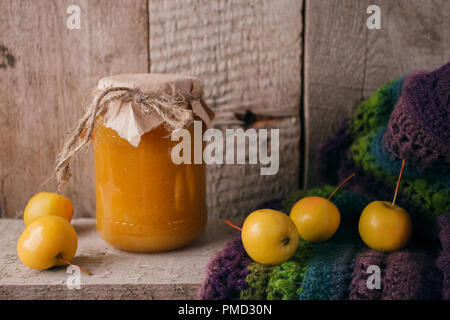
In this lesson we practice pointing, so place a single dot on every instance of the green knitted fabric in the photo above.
(286, 278)
(373, 112)
(257, 280)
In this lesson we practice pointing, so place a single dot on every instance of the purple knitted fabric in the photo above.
(411, 275)
(358, 286)
(419, 126)
(443, 262)
(226, 272)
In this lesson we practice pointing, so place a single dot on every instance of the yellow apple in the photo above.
(46, 242)
(317, 219)
(47, 203)
(269, 236)
(385, 227)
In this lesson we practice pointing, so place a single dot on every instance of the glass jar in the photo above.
(145, 202)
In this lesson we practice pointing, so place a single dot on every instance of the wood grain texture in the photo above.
(115, 274)
(346, 62)
(248, 54)
(44, 91)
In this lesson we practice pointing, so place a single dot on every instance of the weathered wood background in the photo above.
(297, 65)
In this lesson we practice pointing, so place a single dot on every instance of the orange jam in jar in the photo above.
(145, 202)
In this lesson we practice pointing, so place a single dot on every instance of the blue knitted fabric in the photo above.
(329, 272)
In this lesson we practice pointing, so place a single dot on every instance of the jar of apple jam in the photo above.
(144, 201)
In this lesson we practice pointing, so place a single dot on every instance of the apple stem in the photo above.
(74, 265)
(230, 224)
(398, 182)
(341, 184)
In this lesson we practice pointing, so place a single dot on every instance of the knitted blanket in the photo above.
(408, 118)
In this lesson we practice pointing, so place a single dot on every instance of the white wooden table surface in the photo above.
(115, 274)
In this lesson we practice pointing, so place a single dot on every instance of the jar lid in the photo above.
(149, 97)
(154, 83)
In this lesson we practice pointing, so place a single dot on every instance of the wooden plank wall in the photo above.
(248, 62)
(345, 62)
(249, 55)
(43, 92)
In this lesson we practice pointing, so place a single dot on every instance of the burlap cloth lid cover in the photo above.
(131, 119)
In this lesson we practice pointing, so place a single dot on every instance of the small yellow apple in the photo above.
(385, 227)
(269, 236)
(46, 242)
(47, 203)
(317, 219)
